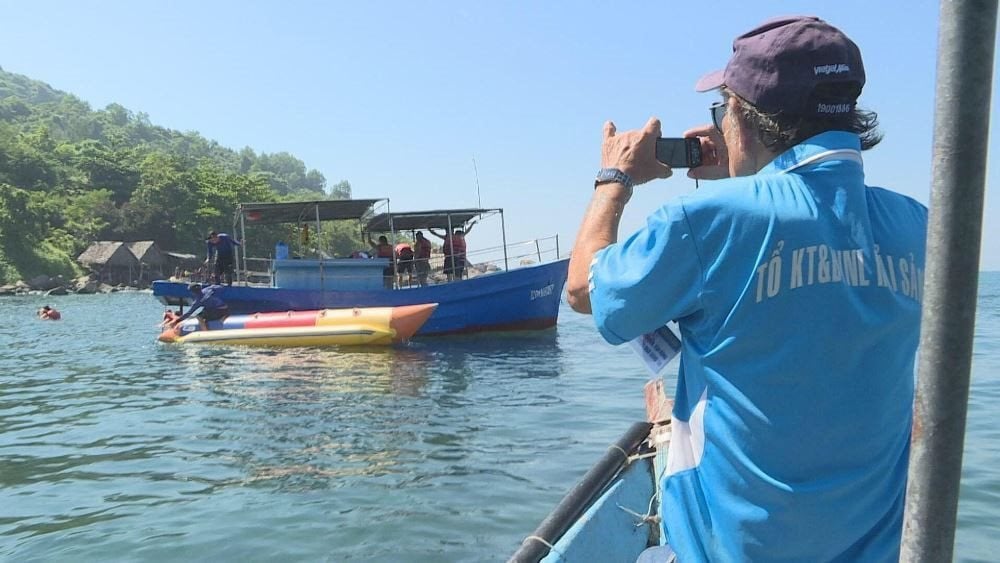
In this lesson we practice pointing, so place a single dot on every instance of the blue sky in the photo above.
(399, 97)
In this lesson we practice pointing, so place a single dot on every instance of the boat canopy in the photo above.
(434, 219)
(301, 211)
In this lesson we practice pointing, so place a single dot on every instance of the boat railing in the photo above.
(259, 271)
(515, 255)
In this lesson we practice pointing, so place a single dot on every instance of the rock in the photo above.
(105, 288)
(8, 289)
(57, 291)
(43, 283)
(86, 287)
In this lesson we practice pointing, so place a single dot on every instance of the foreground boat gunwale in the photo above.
(587, 496)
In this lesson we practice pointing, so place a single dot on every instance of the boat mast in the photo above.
(961, 135)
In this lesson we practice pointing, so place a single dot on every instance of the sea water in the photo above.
(116, 447)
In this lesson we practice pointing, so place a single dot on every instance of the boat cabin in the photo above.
(292, 246)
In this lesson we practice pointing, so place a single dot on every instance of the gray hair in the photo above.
(780, 132)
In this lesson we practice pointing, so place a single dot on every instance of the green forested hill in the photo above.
(70, 174)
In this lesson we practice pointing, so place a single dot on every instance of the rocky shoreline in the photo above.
(45, 285)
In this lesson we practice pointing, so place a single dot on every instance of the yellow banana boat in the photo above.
(372, 326)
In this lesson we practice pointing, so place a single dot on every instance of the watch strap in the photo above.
(613, 175)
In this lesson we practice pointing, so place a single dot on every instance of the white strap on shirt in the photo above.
(836, 154)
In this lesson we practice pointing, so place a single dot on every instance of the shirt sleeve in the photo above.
(644, 281)
(194, 306)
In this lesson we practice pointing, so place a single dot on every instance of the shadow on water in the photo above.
(317, 418)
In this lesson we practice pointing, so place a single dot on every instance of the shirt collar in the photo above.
(841, 141)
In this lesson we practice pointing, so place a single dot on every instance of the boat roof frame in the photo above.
(430, 219)
(272, 213)
(363, 211)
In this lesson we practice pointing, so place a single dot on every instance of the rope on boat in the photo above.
(544, 542)
(624, 453)
(638, 457)
(643, 519)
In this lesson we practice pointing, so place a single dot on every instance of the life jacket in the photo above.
(404, 252)
(423, 249)
(453, 242)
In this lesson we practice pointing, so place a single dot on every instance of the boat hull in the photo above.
(609, 514)
(607, 532)
(375, 326)
(522, 299)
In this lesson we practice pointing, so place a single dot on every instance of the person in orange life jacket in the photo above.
(421, 258)
(453, 246)
(209, 300)
(383, 250)
(404, 263)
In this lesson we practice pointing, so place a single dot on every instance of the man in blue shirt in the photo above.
(209, 301)
(223, 247)
(797, 291)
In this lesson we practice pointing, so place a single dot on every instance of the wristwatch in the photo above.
(613, 176)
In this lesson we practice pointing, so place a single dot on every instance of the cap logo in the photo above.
(831, 69)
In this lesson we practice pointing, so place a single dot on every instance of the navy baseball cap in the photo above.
(778, 66)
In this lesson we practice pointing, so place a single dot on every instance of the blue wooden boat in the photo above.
(612, 514)
(510, 298)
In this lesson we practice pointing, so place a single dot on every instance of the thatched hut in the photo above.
(112, 261)
(151, 259)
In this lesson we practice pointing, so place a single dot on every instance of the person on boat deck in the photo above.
(453, 246)
(47, 313)
(223, 248)
(209, 301)
(383, 250)
(404, 263)
(421, 258)
(789, 443)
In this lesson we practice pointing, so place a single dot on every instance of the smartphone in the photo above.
(679, 153)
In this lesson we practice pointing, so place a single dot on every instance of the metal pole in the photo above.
(451, 249)
(961, 132)
(503, 235)
(243, 250)
(322, 277)
(392, 235)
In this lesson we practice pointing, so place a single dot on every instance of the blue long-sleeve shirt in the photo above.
(209, 300)
(225, 247)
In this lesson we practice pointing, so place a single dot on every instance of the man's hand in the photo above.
(634, 152)
(714, 156)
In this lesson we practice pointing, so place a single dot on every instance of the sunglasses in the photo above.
(718, 111)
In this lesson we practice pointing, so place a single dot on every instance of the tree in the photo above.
(341, 190)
